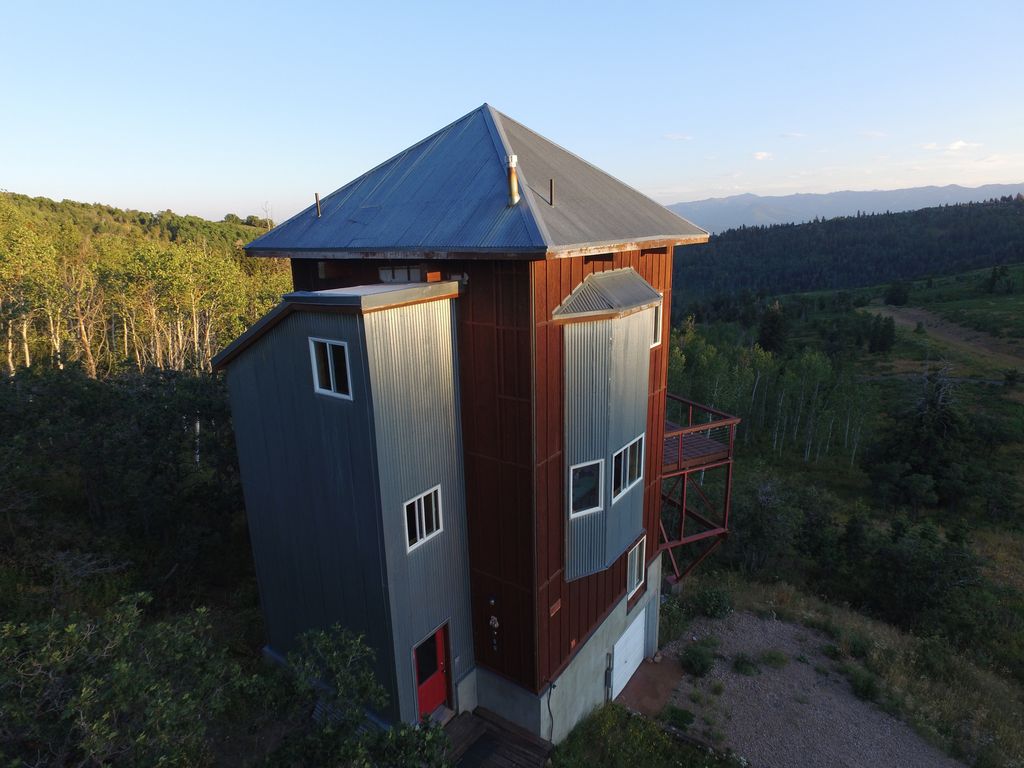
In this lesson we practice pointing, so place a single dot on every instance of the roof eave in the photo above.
(533, 253)
(613, 246)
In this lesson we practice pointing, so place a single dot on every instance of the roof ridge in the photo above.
(358, 179)
(603, 172)
(531, 216)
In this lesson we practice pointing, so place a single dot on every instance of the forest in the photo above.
(111, 289)
(878, 486)
(851, 251)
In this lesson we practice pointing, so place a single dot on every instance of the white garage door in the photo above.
(628, 653)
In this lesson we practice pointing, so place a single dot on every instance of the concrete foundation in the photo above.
(584, 685)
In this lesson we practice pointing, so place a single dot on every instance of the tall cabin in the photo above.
(453, 435)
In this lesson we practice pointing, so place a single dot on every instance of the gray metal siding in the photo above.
(627, 420)
(311, 491)
(588, 349)
(606, 389)
(411, 353)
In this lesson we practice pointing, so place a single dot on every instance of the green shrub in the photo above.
(698, 658)
(671, 620)
(774, 659)
(613, 737)
(745, 665)
(859, 645)
(677, 717)
(865, 684)
(833, 651)
(708, 600)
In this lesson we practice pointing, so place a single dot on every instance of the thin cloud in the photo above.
(960, 145)
(677, 137)
(762, 155)
(873, 134)
(794, 135)
(952, 148)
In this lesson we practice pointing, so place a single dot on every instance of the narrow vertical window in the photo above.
(330, 368)
(585, 487)
(627, 467)
(423, 517)
(656, 338)
(636, 567)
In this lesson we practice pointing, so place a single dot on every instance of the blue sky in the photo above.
(214, 107)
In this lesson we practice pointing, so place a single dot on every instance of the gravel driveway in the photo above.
(800, 714)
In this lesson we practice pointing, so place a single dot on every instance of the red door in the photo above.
(431, 673)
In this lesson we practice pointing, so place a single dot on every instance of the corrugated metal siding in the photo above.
(413, 365)
(627, 420)
(613, 291)
(588, 374)
(606, 393)
(311, 491)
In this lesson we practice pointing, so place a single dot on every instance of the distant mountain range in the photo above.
(720, 213)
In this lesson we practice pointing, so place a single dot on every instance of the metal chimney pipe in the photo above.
(317, 196)
(513, 180)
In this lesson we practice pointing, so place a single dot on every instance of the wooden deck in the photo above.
(482, 739)
(697, 450)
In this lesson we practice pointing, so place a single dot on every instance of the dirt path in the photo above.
(803, 713)
(999, 352)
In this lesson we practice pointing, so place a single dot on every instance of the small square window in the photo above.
(330, 368)
(627, 467)
(636, 567)
(656, 338)
(423, 517)
(585, 492)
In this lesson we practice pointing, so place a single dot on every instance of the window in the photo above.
(627, 467)
(330, 368)
(423, 517)
(656, 339)
(636, 568)
(585, 487)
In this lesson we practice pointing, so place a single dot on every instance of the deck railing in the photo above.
(696, 434)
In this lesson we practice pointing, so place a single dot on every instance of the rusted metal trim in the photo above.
(637, 244)
(589, 317)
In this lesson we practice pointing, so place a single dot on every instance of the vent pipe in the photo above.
(316, 195)
(513, 180)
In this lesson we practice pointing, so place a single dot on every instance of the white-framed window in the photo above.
(330, 368)
(636, 569)
(656, 338)
(627, 467)
(422, 518)
(586, 487)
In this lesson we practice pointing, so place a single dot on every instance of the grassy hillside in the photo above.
(880, 467)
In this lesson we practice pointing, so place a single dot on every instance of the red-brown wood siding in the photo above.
(583, 603)
(495, 387)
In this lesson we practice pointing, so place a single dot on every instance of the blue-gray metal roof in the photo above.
(449, 194)
(604, 294)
